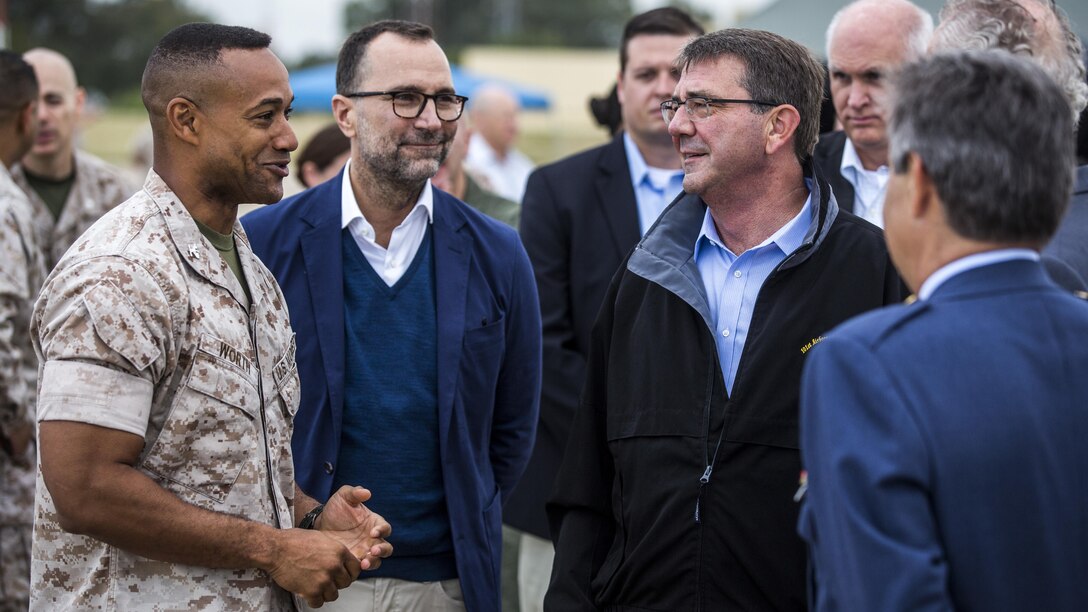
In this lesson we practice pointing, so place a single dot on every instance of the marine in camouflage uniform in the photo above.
(21, 276)
(145, 329)
(98, 187)
(168, 380)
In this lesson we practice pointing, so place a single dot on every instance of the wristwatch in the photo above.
(311, 516)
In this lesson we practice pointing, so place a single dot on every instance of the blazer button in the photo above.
(328, 467)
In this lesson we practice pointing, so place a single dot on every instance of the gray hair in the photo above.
(1001, 179)
(917, 31)
(776, 69)
(1005, 24)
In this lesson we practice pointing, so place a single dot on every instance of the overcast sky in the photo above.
(300, 28)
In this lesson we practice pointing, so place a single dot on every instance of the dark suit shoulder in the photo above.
(482, 227)
(876, 327)
(849, 222)
(271, 229)
(830, 145)
(293, 207)
(582, 163)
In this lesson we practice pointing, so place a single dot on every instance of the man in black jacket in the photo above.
(580, 218)
(676, 487)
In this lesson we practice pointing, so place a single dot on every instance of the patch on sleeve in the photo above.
(119, 325)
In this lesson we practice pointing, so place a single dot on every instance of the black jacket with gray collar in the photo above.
(674, 495)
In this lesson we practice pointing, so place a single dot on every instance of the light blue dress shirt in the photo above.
(655, 188)
(732, 283)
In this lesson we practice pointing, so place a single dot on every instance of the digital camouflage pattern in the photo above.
(21, 275)
(142, 327)
(97, 189)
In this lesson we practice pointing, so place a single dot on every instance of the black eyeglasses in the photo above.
(410, 104)
(699, 108)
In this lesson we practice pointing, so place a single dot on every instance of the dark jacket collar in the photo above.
(666, 254)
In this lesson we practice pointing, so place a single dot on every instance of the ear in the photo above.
(779, 128)
(619, 87)
(28, 117)
(342, 108)
(924, 199)
(81, 99)
(308, 173)
(184, 119)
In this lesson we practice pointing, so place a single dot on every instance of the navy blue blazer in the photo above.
(488, 359)
(945, 443)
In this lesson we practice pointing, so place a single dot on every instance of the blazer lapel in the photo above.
(452, 257)
(616, 197)
(321, 254)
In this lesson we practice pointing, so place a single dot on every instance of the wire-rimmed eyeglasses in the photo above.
(698, 108)
(410, 104)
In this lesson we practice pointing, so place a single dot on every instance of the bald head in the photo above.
(867, 42)
(48, 60)
(1037, 29)
(60, 107)
(903, 22)
(494, 111)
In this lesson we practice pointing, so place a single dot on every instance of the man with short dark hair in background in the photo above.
(944, 439)
(418, 330)
(168, 379)
(21, 276)
(69, 188)
(867, 41)
(676, 487)
(580, 217)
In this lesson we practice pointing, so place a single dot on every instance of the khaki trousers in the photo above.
(396, 595)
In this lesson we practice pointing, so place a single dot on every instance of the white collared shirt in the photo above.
(869, 185)
(971, 262)
(391, 263)
(505, 176)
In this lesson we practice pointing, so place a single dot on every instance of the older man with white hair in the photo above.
(1038, 30)
(866, 42)
(491, 152)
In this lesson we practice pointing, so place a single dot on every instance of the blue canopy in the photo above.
(315, 86)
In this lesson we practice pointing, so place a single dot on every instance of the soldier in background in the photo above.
(69, 189)
(168, 375)
(21, 275)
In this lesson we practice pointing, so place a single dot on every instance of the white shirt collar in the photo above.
(349, 208)
(851, 161)
(971, 262)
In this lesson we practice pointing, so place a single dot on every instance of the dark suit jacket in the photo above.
(579, 220)
(945, 449)
(828, 162)
(1070, 244)
(488, 373)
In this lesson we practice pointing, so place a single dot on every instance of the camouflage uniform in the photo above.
(21, 275)
(98, 188)
(143, 328)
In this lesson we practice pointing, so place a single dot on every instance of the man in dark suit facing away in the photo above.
(944, 439)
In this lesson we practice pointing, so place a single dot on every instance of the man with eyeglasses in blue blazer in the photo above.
(418, 331)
